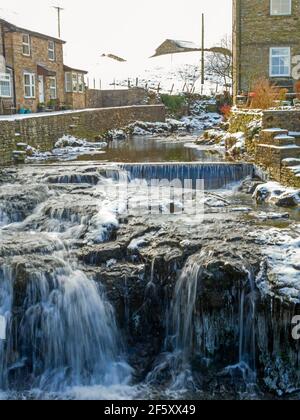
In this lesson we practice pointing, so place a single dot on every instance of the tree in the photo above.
(219, 64)
(190, 74)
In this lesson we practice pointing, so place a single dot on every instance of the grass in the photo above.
(175, 104)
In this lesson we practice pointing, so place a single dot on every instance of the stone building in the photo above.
(32, 72)
(266, 40)
(75, 96)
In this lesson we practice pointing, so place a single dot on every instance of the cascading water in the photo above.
(68, 256)
(69, 334)
(215, 175)
(6, 298)
(67, 337)
(246, 366)
(192, 334)
(175, 361)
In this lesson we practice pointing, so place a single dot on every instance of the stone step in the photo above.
(75, 118)
(295, 134)
(290, 162)
(19, 155)
(283, 140)
(281, 152)
(19, 152)
(22, 146)
(73, 126)
(267, 136)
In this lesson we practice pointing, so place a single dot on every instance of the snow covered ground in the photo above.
(282, 250)
(165, 72)
(66, 148)
(275, 193)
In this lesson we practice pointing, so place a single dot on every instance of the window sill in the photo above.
(280, 16)
(280, 77)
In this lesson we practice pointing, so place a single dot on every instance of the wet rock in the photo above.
(250, 185)
(289, 200)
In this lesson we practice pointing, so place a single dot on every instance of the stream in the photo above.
(107, 295)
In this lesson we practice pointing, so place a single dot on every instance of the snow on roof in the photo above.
(187, 44)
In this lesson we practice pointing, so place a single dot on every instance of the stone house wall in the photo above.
(255, 31)
(39, 56)
(42, 131)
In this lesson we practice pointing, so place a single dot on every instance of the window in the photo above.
(51, 50)
(26, 45)
(68, 82)
(280, 62)
(53, 90)
(281, 7)
(5, 85)
(29, 85)
(80, 83)
(75, 82)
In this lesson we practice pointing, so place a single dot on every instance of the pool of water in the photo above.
(155, 149)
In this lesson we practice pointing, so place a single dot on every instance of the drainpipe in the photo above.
(3, 40)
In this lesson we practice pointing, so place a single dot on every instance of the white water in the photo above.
(68, 341)
(71, 332)
(175, 361)
(6, 293)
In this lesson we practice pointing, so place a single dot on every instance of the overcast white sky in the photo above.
(130, 28)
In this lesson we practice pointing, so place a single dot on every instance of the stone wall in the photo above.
(76, 100)
(261, 129)
(42, 131)
(255, 31)
(113, 98)
(285, 119)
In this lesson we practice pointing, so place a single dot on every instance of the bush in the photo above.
(297, 89)
(175, 104)
(226, 111)
(265, 94)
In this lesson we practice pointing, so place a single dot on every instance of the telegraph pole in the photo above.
(202, 52)
(59, 9)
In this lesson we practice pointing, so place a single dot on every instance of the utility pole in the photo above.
(59, 9)
(202, 52)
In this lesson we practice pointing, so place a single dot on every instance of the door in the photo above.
(41, 90)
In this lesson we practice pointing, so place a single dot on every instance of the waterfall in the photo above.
(62, 332)
(175, 361)
(193, 334)
(215, 175)
(6, 298)
(68, 335)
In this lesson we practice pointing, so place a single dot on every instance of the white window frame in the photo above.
(6, 78)
(51, 50)
(68, 82)
(26, 45)
(31, 85)
(80, 78)
(74, 82)
(272, 74)
(280, 12)
(53, 88)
